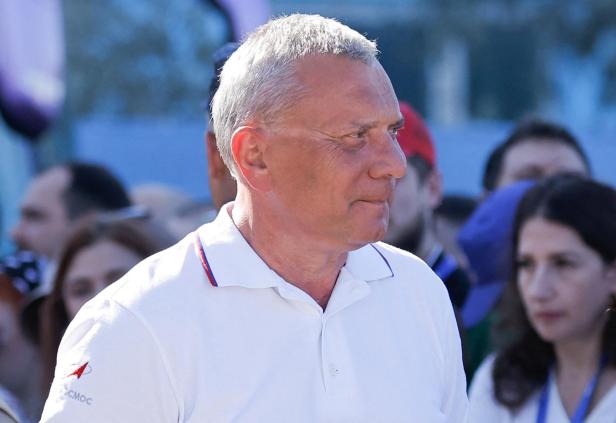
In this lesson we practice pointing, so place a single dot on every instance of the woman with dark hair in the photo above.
(558, 363)
(99, 252)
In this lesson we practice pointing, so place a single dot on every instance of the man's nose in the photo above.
(389, 159)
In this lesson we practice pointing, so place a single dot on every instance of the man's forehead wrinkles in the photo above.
(378, 96)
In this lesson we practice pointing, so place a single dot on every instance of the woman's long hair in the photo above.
(588, 208)
(140, 236)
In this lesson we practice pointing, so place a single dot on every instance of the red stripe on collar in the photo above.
(204, 262)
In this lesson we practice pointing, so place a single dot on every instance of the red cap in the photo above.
(414, 138)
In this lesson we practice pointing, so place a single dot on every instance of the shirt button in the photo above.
(333, 370)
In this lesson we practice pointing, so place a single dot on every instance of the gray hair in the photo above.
(258, 80)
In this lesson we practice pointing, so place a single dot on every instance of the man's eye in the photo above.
(358, 135)
(394, 132)
(32, 215)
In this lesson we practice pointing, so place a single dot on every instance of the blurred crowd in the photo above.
(530, 265)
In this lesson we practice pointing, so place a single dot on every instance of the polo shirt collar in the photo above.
(233, 262)
(369, 263)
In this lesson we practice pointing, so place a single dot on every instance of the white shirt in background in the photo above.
(484, 408)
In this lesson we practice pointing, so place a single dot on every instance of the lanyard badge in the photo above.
(582, 408)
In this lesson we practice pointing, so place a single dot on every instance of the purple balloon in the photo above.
(32, 84)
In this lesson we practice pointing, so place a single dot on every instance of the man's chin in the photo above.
(370, 237)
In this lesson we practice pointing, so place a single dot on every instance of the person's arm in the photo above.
(110, 369)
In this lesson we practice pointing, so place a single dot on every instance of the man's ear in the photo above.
(434, 188)
(215, 165)
(248, 145)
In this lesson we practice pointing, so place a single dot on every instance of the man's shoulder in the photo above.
(156, 299)
(397, 253)
(403, 263)
(167, 277)
(411, 272)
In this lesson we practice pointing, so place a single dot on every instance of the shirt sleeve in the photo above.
(110, 369)
(483, 405)
(455, 405)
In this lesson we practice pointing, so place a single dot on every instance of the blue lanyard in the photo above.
(582, 408)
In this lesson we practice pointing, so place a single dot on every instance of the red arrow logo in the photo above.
(79, 371)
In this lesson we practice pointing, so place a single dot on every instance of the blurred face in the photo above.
(93, 268)
(43, 221)
(565, 285)
(222, 185)
(537, 158)
(333, 157)
(447, 231)
(409, 208)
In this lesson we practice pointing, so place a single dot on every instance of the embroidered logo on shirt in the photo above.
(66, 392)
(83, 369)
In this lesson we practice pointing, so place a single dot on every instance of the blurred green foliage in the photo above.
(138, 57)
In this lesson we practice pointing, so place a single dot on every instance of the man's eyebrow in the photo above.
(398, 124)
(361, 126)
(28, 209)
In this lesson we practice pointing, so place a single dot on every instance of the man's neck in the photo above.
(299, 260)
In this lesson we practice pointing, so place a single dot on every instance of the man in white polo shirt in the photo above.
(286, 308)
